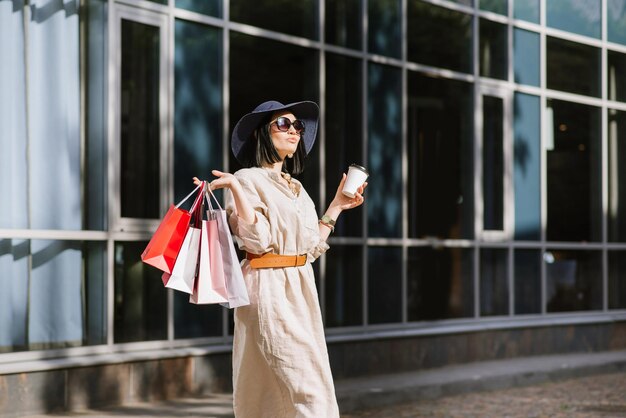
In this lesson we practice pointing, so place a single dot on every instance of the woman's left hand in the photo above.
(344, 202)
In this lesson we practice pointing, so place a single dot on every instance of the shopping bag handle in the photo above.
(207, 192)
(189, 195)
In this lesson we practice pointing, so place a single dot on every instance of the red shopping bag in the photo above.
(165, 244)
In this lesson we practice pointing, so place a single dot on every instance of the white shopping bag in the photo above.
(184, 271)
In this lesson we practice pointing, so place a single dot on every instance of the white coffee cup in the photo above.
(356, 177)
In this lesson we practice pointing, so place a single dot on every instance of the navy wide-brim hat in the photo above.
(306, 111)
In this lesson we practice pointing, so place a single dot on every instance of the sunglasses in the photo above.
(283, 124)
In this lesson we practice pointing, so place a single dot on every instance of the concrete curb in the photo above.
(383, 390)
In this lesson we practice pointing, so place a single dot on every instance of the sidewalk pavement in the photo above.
(378, 392)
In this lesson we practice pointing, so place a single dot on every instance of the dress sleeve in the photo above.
(321, 247)
(254, 238)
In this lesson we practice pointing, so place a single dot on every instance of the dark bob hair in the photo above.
(260, 152)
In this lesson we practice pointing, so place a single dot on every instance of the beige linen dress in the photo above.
(280, 359)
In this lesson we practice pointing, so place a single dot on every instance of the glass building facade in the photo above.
(494, 132)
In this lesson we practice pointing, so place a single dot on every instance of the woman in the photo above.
(280, 360)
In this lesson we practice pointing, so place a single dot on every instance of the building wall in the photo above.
(493, 132)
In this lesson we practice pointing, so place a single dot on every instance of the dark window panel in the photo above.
(527, 273)
(574, 172)
(344, 131)
(617, 176)
(384, 285)
(343, 23)
(140, 297)
(494, 46)
(439, 37)
(574, 280)
(616, 71)
(573, 67)
(493, 163)
(494, 282)
(140, 121)
(440, 145)
(384, 25)
(617, 279)
(439, 283)
(344, 286)
(297, 18)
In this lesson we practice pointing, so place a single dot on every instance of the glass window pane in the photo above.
(439, 37)
(526, 10)
(527, 281)
(496, 6)
(616, 24)
(527, 167)
(469, 3)
(574, 280)
(582, 17)
(344, 286)
(297, 18)
(384, 285)
(343, 23)
(53, 294)
(493, 163)
(344, 130)
(440, 145)
(617, 69)
(494, 47)
(574, 172)
(439, 283)
(526, 57)
(207, 7)
(140, 132)
(573, 67)
(258, 73)
(140, 297)
(383, 30)
(617, 279)
(384, 205)
(494, 282)
(617, 176)
(197, 104)
(195, 321)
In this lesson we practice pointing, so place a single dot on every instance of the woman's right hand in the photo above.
(223, 180)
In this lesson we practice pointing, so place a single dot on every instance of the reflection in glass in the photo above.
(344, 286)
(616, 24)
(527, 167)
(297, 18)
(493, 49)
(139, 114)
(527, 281)
(574, 280)
(344, 130)
(526, 10)
(440, 160)
(439, 37)
(383, 30)
(526, 57)
(581, 17)
(343, 23)
(258, 73)
(617, 279)
(384, 115)
(616, 71)
(617, 176)
(194, 321)
(493, 163)
(140, 297)
(439, 283)
(197, 104)
(574, 172)
(384, 285)
(207, 7)
(53, 294)
(494, 282)
(496, 6)
(573, 67)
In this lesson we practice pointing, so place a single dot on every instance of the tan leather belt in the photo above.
(269, 260)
